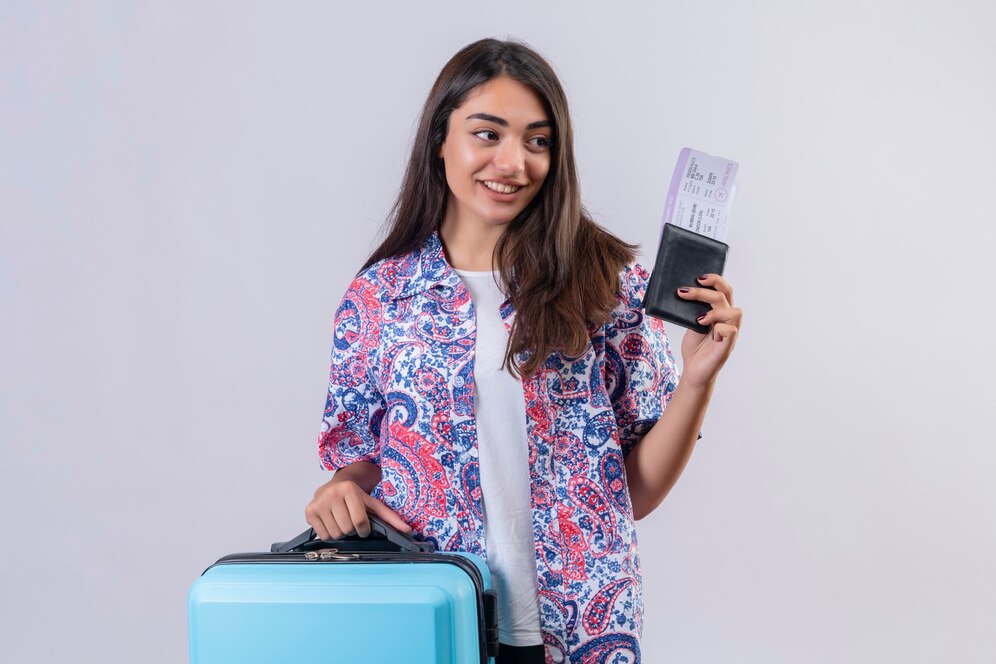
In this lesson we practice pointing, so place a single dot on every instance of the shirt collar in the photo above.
(426, 268)
(423, 269)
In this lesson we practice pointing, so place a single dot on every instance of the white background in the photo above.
(187, 188)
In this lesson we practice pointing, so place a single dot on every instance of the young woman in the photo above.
(495, 385)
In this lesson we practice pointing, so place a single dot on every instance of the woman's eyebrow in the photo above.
(504, 123)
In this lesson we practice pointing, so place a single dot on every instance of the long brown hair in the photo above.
(560, 268)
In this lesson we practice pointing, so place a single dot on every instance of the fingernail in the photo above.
(700, 318)
(702, 277)
(682, 290)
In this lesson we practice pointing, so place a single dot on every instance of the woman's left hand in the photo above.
(703, 355)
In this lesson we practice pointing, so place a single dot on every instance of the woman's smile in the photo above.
(501, 191)
(496, 154)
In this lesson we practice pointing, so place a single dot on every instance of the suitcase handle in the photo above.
(377, 525)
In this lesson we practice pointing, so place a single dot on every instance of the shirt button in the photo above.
(458, 381)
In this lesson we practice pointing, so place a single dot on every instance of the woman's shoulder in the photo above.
(388, 277)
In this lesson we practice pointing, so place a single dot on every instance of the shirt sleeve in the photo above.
(641, 374)
(354, 407)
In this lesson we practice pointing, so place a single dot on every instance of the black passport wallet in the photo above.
(681, 258)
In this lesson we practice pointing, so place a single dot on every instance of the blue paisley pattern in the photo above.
(401, 394)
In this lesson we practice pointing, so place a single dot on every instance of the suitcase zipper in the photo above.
(329, 554)
(332, 554)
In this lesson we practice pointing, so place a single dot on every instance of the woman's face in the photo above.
(496, 153)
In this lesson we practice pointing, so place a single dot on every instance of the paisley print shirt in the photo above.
(401, 394)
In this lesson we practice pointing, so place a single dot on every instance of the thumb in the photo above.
(386, 514)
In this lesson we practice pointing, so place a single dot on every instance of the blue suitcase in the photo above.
(378, 600)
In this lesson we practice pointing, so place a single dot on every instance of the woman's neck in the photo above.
(469, 245)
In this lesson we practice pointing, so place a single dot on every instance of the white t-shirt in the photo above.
(499, 404)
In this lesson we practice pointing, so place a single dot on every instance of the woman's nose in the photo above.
(509, 159)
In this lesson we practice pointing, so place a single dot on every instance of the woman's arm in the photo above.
(364, 473)
(350, 440)
(655, 463)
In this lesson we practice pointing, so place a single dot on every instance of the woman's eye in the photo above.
(487, 134)
(541, 142)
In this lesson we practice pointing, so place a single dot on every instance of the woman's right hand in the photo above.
(340, 508)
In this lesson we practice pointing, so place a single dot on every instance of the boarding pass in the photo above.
(701, 194)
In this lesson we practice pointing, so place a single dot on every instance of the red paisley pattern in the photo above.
(401, 388)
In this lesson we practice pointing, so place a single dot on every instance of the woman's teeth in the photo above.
(501, 188)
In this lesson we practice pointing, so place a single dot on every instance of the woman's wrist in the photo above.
(695, 389)
(365, 474)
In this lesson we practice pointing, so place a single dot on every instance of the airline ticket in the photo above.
(701, 194)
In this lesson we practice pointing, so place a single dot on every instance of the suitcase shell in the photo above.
(329, 605)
